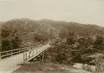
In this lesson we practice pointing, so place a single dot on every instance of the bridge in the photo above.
(10, 60)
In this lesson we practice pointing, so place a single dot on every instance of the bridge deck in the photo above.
(10, 64)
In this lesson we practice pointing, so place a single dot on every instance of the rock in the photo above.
(78, 65)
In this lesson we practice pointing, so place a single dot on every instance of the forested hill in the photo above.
(37, 30)
(74, 27)
(45, 25)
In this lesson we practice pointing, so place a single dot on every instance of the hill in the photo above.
(32, 30)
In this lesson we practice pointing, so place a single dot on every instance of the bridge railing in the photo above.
(8, 53)
(27, 56)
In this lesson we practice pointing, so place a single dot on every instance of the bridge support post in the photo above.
(24, 57)
(0, 56)
(43, 57)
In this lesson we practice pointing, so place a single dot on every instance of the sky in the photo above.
(82, 11)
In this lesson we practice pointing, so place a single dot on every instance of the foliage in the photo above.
(9, 39)
(75, 48)
(99, 43)
(5, 45)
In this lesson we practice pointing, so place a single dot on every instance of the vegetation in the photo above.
(71, 42)
(74, 49)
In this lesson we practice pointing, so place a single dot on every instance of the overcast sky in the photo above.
(83, 11)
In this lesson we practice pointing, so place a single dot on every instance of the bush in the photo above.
(5, 45)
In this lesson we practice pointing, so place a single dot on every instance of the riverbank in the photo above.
(48, 68)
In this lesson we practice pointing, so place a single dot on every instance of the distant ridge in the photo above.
(51, 28)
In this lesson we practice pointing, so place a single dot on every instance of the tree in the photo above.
(5, 45)
(15, 42)
(10, 39)
(99, 43)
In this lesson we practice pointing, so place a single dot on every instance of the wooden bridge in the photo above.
(10, 60)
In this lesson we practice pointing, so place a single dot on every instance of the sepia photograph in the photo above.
(51, 36)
